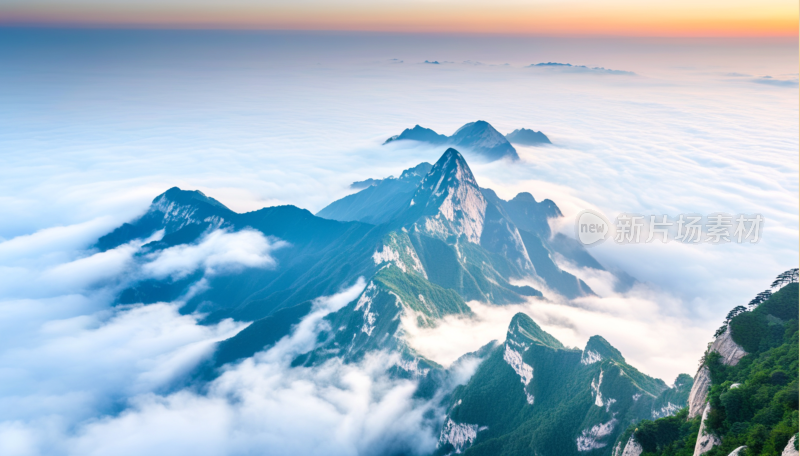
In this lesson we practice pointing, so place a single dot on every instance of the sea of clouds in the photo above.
(97, 126)
(84, 377)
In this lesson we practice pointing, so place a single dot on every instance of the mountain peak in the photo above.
(419, 133)
(452, 155)
(170, 211)
(186, 197)
(479, 137)
(416, 173)
(527, 137)
(598, 349)
(477, 125)
(482, 137)
(524, 197)
(450, 170)
(531, 216)
(448, 201)
(177, 208)
(523, 331)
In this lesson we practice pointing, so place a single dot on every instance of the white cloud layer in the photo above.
(106, 396)
(642, 323)
(95, 130)
(217, 252)
(68, 358)
(288, 122)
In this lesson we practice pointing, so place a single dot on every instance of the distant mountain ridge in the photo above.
(478, 137)
(419, 134)
(380, 200)
(481, 137)
(456, 237)
(311, 267)
(516, 229)
(527, 137)
(425, 244)
(580, 68)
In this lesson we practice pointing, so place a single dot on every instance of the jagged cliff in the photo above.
(730, 353)
(745, 394)
(532, 395)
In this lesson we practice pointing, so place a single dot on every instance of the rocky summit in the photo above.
(425, 246)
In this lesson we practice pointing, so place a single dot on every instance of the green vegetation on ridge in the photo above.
(754, 403)
(573, 403)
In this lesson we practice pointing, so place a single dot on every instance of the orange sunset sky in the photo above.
(547, 17)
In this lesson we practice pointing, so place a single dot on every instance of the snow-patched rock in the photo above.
(416, 264)
(590, 357)
(514, 359)
(528, 396)
(668, 410)
(590, 439)
(365, 303)
(598, 396)
(398, 251)
(459, 435)
(412, 367)
(174, 212)
(215, 221)
(525, 371)
(388, 254)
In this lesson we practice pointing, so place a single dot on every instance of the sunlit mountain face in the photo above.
(219, 242)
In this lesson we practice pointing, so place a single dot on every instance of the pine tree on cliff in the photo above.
(785, 278)
(761, 297)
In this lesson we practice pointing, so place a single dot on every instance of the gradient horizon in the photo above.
(742, 18)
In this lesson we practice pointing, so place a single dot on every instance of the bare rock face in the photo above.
(459, 435)
(705, 441)
(731, 353)
(738, 451)
(454, 204)
(632, 448)
(697, 397)
(790, 450)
